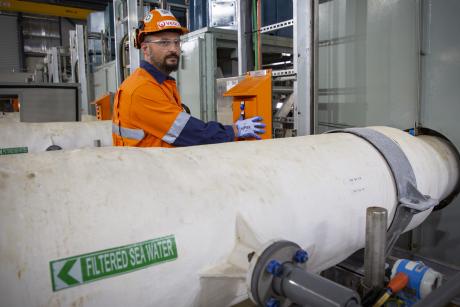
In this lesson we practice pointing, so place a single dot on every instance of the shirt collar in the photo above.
(154, 72)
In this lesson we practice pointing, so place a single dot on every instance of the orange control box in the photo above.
(253, 97)
(103, 107)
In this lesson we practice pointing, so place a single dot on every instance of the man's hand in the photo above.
(250, 128)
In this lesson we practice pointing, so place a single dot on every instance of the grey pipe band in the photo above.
(410, 200)
(449, 198)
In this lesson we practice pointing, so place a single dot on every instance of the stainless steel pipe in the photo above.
(374, 254)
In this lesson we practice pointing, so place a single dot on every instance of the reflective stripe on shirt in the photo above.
(176, 128)
(134, 134)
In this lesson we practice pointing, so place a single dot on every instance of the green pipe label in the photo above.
(13, 150)
(81, 269)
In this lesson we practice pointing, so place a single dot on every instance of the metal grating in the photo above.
(286, 72)
(277, 26)
(284, 75)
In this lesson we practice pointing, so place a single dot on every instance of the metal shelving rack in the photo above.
(126, 14)
(302, 72)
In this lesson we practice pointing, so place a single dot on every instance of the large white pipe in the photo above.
(15, 117)
(9, 117)
(220, 202)
(67, 135)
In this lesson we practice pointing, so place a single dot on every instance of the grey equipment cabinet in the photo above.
(208, 54)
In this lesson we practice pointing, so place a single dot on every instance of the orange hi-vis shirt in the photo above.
(148, 113)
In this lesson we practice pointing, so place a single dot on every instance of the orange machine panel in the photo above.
(16, 105)
(253, 97)
(103, 107)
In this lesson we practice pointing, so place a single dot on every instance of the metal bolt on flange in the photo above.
(272, 302)
(274, 267)
(300, 256)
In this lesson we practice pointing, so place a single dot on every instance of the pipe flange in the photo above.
(263, 268)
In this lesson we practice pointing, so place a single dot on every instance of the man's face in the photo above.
(161, 50)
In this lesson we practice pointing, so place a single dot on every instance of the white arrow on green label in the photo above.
(77, 270)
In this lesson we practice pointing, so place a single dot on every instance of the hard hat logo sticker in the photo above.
(168, 23)
(148, 17)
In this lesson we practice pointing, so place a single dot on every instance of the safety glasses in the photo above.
(166, 43)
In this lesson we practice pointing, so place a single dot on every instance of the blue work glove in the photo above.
(250, 128)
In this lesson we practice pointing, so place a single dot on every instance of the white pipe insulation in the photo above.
(9, 117)
(67, 135)
(218, 203)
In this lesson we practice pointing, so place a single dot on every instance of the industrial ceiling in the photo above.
(96, 5)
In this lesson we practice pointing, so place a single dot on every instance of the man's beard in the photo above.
(164, 66)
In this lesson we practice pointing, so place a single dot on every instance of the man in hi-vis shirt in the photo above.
(147, 109)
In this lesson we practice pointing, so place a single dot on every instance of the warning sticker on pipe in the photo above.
(13, 150)
(81, 269)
